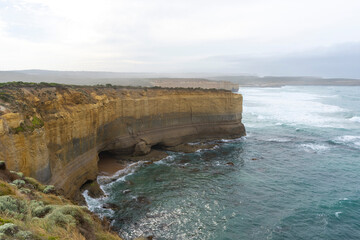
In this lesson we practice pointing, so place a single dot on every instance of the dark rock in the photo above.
(130, 182)
(158, 179)
(254, 159)
(93, 188)
(110, 206)
(143, 199)
(126, 191)
(2, 165)
(144, 238)
(195, 170)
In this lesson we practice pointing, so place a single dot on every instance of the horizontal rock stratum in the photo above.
(55, 133)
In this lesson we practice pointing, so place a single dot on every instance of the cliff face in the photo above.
(55, 134)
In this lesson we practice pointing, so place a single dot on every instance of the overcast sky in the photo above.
(281, 37)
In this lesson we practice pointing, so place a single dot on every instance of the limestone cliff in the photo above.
(55, 133)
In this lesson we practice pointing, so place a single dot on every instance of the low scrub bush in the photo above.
(5, 189)
(38, 186)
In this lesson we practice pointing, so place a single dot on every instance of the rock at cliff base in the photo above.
(94, 189)
(142, 148)
(2, 165)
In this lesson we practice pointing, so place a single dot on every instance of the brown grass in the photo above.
(48, 216)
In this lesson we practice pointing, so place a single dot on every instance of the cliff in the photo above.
(55, 133)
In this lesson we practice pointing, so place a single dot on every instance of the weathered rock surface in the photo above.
(141, 148)
(55, 134)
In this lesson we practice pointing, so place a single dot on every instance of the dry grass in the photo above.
(5, 189)
(47, 216)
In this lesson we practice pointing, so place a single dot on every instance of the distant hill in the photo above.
(272, 81)
(168, 79)
(115, 78)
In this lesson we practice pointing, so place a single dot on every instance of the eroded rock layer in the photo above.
(56, 133)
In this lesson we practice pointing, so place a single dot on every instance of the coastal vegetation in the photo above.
(19, 84)
(31, 210)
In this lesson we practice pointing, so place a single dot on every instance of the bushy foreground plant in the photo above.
(37, 215)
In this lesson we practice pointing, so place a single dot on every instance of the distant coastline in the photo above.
(173, 80)
(274, 81)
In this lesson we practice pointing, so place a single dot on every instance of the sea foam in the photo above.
(311, 147)
(121, 174)
(355, 119)
(279, 106)
(352, 141)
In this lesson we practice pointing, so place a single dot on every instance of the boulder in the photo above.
(142, 148)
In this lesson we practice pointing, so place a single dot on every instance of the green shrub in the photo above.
(9, 229)
(3, 221)
(25, 235)
(38, 186)
(37, 122)
(19, 129)
(12, 206)
(68, 215)
(63, 216)
(20, 174)
(19, 183)
(25, 191)
(39, 209)
(49, 189)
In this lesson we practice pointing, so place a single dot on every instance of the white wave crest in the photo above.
(96, 205)
(280, 140)
(353, 141)
(165, 160)
(121, 174)
(355, 119)
(311, 147)
(290, 106)
(233, 140)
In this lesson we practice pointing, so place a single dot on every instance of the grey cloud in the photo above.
(336, 61)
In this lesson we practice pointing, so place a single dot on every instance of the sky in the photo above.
(262, 37)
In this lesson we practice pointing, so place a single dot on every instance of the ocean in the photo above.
(296, 175)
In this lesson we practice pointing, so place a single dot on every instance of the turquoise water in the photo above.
(295, 176)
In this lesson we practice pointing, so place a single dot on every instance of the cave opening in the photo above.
(159, 147)
(110, 162)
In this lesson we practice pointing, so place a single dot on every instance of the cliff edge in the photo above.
(54, 133)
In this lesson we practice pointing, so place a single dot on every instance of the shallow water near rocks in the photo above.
(295, 176)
